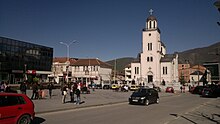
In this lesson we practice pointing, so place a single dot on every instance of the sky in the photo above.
(109, 29)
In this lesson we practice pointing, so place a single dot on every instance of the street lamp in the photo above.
(67, 46)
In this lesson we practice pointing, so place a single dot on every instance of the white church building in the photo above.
(153, 66)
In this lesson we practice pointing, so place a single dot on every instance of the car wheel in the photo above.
(146, 102)
(158, 100)
(24, 119)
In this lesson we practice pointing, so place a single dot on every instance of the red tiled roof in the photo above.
(91, 62)
(64, 59)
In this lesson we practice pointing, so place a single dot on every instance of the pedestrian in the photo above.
(34, 91)
(50, 88)
(2, 86)
(189, 88)
(77, 96)
(72, 91)
(40, 92)
(163, 82)
(181, 89)
(64, 93)
(23, 87)
(7, 87)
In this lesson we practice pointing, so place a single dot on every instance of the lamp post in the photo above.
(25, 73)
(67, 46)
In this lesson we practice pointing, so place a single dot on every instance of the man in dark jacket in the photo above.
(23, 87)
(34, 91)
(50, 88)
(77, 96)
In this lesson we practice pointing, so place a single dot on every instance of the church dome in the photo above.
(151, 18)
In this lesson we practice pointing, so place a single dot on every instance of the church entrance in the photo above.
(150, 78)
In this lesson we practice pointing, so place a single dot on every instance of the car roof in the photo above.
(11, 94)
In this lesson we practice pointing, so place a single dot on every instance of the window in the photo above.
(136, 70)
(11, 100)
(154, 24)
(165, 70)
(149, 46)
(151, 59)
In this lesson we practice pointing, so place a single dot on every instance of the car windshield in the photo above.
(142, 90)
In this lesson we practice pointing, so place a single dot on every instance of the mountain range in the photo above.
(193, 57)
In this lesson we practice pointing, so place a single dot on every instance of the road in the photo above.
(165, 112)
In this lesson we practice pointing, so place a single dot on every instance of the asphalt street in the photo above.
(106, 106)
(170, 110)
(95, 98)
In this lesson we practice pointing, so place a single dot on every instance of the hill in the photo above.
(120, 63)
(193, 56)
(201, 55)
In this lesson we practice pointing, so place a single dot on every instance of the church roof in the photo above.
(162, 44)
(168, 58)
(151, 17)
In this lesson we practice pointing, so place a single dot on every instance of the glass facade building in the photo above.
(18, 59)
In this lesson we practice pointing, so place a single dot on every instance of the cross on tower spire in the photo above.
(151, 11)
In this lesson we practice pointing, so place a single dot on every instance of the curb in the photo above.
(88, 106)
(79, 107)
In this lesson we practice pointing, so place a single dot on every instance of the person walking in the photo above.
(77, 96)
(181, 89)
(50, 88)
(64, 93)
(2, 86)
(72, 92)
(34, 91)
(23, 87)
(7, 87)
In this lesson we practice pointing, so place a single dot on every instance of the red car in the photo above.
(169, 90)
(16, 109)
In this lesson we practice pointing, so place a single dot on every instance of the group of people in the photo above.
(4, 87)
(39, 93)
(74, 88)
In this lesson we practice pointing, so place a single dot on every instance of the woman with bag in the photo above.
(64, 93)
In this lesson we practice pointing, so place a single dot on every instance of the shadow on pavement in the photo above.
(212, 118)
(38, 120)
(176, 115)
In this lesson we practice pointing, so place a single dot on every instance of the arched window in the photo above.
(154, 24)
(151, 59)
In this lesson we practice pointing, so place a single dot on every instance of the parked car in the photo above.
(85, 90)
(106, 86)
(115, 87)
(197, 90)
(133, 88)
(16, 109)
(209, 92)
(217, 90)
(169, 90)
(157, 89)
(144, 96)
